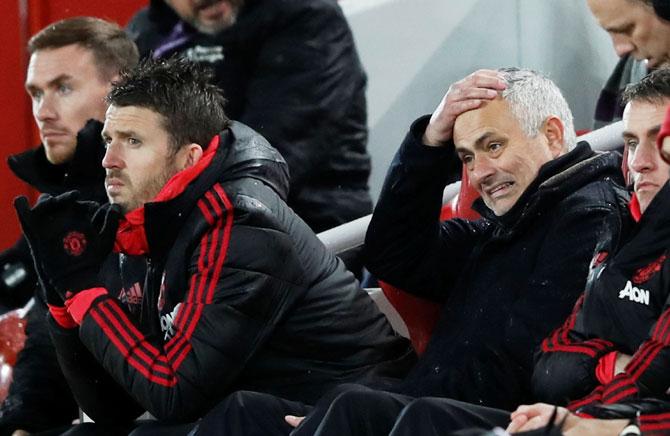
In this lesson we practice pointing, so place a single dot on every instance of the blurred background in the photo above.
(411, 49)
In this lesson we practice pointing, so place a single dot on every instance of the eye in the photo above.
(467, 158)
(64, 89)
(106, 140)
(495, 146)
(134, 141)
(631, 144)
(36, 94)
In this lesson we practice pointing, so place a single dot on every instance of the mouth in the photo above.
(113, 185)
(48, 134)
(208, 6)
(499, 190)
(643, 186)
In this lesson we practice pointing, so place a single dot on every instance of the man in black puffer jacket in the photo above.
(238, 291)
(290, 70)
(614, 346)
(507, 279)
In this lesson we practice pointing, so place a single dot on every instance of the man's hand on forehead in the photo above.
(465, 95)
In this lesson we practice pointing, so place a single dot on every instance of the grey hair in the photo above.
(533, 98)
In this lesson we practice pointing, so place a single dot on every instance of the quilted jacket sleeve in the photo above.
(406, 245)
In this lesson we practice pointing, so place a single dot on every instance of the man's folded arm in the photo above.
(406, 245)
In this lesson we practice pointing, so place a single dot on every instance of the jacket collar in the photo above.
(634, 208)
(131, 237)
(556, 179)
(84, 172)
(235, 153)
(653, 227)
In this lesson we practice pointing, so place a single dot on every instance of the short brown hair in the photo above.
(112, 49)
(180, 91)
(654, 88)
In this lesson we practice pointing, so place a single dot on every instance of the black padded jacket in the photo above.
(625, 308)
(506, 281)
(238, 293)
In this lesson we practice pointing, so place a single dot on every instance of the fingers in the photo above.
(106, 222)
(23, 212)
(68, 196)
(22, 206)
(517, 423)
(293, 421)
(463, 96)
(478, 86)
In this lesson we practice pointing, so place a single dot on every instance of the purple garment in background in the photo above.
(178, 37)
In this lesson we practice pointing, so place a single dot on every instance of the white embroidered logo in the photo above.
(205, 54)
(167, 321)
(634, 294)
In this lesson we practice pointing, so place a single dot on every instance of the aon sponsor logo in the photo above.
(167, 322)
(634, 293)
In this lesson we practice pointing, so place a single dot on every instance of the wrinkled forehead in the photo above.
(491, 118)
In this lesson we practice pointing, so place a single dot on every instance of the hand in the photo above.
(621, 362)
(465, 95)
(577, 426)
(68, 241)
(532, 417)
(293, 421)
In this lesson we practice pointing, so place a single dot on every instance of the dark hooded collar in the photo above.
(241, 153)
(84, 172)
(654, 225)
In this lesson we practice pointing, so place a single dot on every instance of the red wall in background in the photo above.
(19, 20)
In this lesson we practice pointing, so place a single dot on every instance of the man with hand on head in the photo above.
(609, 360)
(72, 65)
(238, 292)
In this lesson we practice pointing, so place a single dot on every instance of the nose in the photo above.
(113, 156)
(479, 170)
(643, 158)
(45, 109)
(622, 45)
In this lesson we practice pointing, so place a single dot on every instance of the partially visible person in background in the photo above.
(640, 33)
(290, 70)
(72, 65)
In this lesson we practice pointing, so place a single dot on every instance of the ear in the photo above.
(190, 155)
(553, 131)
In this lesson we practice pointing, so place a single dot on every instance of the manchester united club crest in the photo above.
(74, 243)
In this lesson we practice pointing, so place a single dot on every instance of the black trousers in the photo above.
(350, 409)
(247, 413)
(360, 411)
